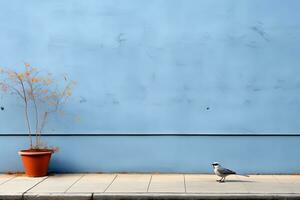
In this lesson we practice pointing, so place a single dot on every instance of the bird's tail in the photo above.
(245, 175)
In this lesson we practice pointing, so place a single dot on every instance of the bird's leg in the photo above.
(219, 180)
(222, 180)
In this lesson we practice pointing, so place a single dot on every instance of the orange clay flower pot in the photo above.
(36, 161)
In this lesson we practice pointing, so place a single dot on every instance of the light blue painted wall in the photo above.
(155, 66)
(161, 66)
(163, 154)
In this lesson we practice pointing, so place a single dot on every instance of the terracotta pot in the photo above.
(36, 162)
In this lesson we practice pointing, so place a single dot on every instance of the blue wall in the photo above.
(157, 66)
(161, 66)
(162, 154)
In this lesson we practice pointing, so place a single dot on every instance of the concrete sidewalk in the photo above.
(149, 186)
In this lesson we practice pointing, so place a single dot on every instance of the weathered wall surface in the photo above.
(161, 66)
(162, 154)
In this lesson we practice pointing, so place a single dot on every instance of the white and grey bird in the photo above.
(223, 172)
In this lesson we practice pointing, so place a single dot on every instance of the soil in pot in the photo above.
(36, 161)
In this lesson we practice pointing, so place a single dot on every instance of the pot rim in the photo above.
(34, 153)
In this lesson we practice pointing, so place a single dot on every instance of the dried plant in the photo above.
(40, 94)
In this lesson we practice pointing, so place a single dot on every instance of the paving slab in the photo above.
(130, 183)
(147, 186)
(91, 183)
(171, 183)
(290, 181)
(5, 177)
(287, 178)
(19, 185)
(265, 184)
(56, 184)
(208, 184)
(258, 178)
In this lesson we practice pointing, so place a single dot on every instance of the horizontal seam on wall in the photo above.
(155, 135)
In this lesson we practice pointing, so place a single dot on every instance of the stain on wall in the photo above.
(162, 65)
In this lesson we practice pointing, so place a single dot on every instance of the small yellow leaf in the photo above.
(34, 80)
(20, 76)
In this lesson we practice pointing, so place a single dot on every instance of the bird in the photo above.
(223, 172)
